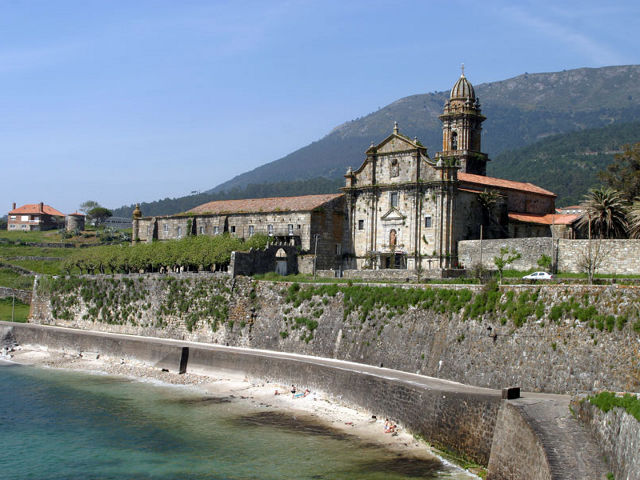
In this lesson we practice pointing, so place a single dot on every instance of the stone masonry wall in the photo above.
(615, 256)
(617, 433)
(517, 450)
(22, 295)
(531, 249)
(551, 351)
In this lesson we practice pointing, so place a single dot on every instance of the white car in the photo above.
(538, 276)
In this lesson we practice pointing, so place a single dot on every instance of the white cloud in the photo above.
(580, 41)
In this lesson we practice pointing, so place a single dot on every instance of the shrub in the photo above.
(556, 312)
(605, 401)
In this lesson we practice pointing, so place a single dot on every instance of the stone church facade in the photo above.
(408, 210)
(401, 209)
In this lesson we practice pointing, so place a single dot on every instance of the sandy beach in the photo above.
(317, 406)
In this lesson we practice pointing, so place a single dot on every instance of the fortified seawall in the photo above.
(555, 338)
(471, 421)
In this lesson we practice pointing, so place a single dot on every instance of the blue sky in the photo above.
(125, 101)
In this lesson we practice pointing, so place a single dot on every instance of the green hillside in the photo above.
(567, 164)
(519, 111)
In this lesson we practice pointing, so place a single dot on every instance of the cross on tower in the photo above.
(462, 68)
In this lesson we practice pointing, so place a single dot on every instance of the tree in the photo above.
(507, 257)
(99, 214)
(623, 175)
(85, 207)
(590, 261)
(634, 218)
(544, 262)
(605, 213)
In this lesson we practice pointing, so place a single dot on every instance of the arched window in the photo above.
(454, 140)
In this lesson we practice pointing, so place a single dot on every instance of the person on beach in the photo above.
(302, 394)
(293, 391)
(389, 427)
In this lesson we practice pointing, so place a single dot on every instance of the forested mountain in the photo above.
(567, 164)
(520, 111)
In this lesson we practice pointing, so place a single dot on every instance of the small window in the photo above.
(201, 230)
(454, 140)
(13, 217)
(179, 232)
(394, 199)
(12, 227)
(360, 224)
(165, 227)
(25, 218)
(290, 227)
(298, 227)
(148, 231)
(233, 229)
(427, 221)
(251, 230)
(216, 230)
(270, 229)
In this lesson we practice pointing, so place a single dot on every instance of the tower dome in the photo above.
(462, 90)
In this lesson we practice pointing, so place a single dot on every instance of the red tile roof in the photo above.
(547, 219)
(34, 209)
(483, 181)
(264, 205)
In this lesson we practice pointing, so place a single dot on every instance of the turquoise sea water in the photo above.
(69, 425)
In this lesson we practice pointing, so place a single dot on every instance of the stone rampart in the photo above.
(611, 256)
(517, 450)
(563, 335)
(458, 418)
(470, 421)
(618, 435)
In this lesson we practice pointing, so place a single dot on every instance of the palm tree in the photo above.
(634, 218)
(605, 210)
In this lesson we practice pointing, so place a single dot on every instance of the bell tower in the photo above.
(462, 128)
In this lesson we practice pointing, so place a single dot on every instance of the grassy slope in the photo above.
(20, 314)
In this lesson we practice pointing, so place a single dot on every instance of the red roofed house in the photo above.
(401, 209)
(34, 216)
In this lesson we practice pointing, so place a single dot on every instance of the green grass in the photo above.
(605, 401)
(50, 236)
(21, 310)
(47, 267)
(11, 279)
